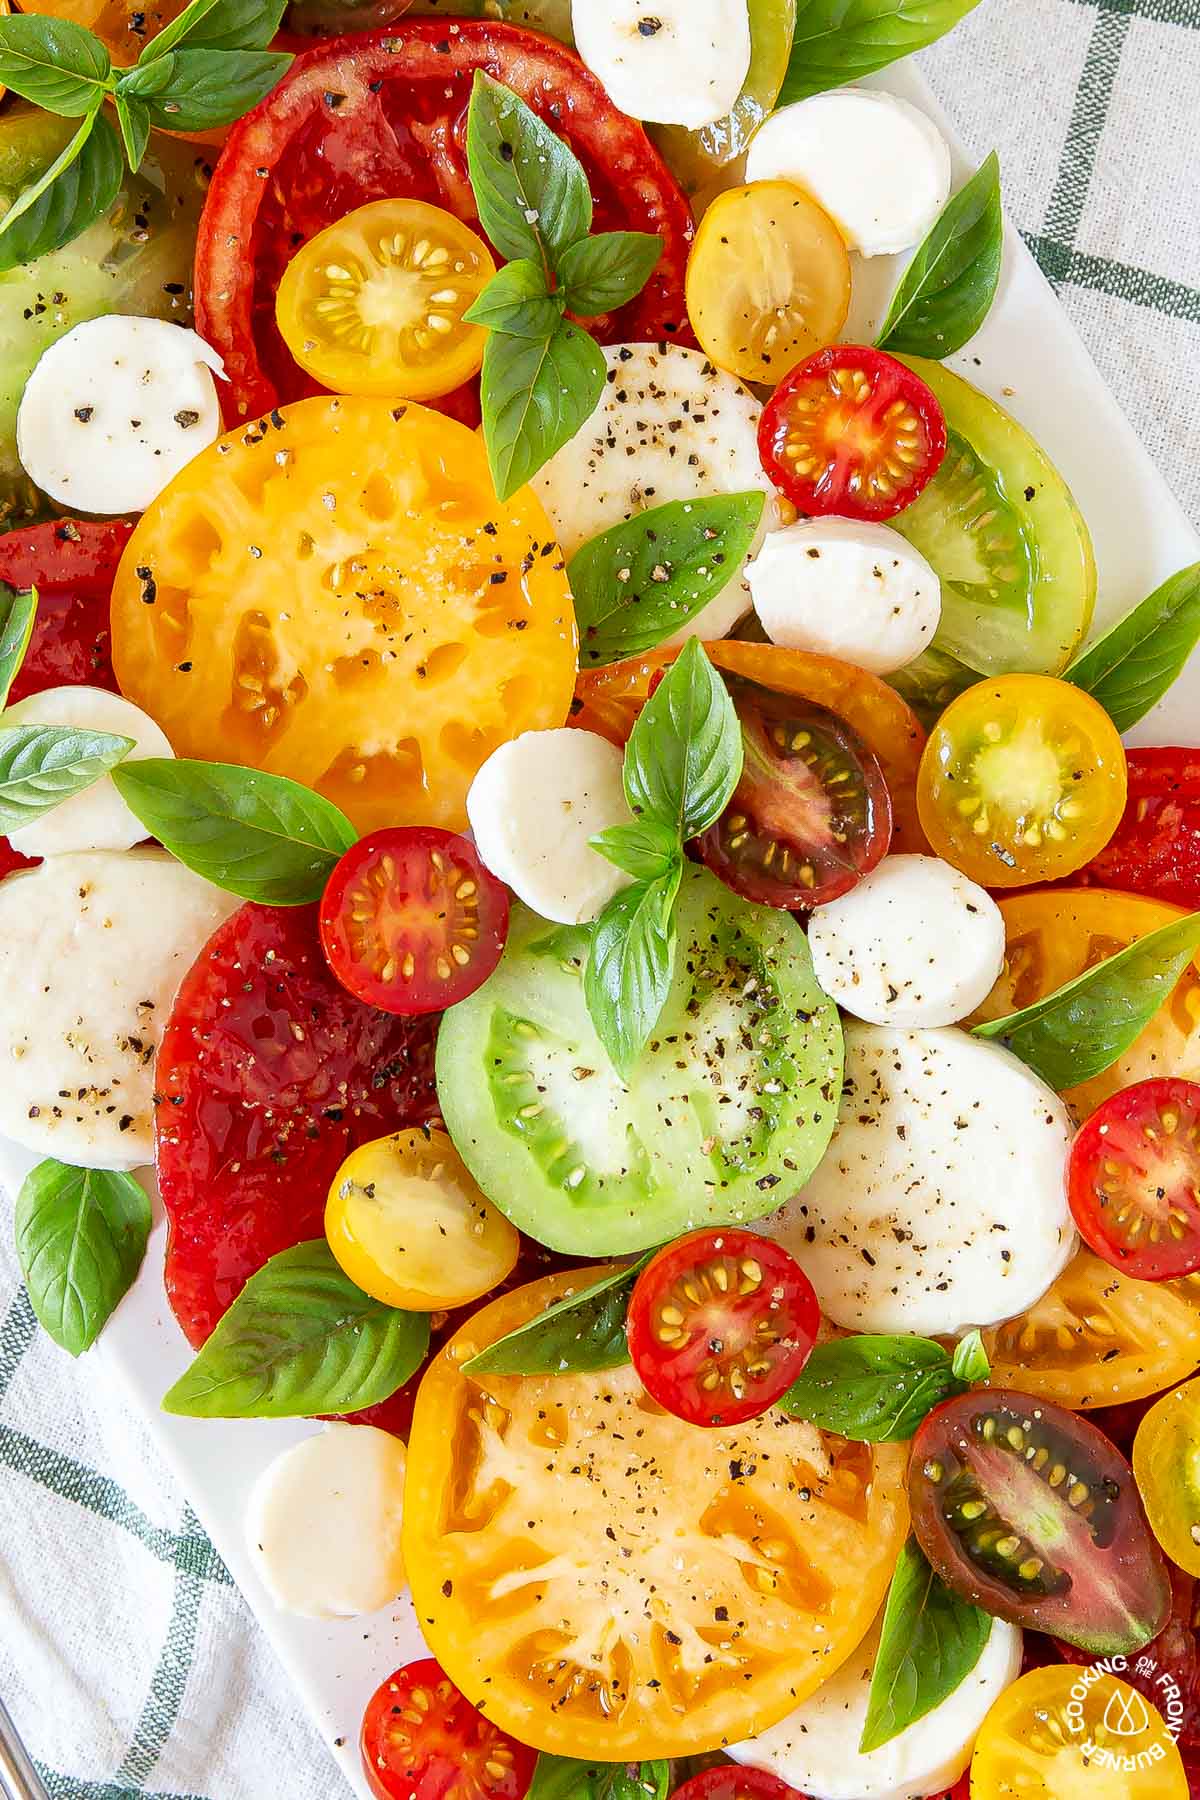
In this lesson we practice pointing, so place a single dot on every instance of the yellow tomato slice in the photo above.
(768, 280)
(374, 304)
(1166, 1463)
(1072, 1733)
(334, 593)
(610, 1582)
(409, 1225)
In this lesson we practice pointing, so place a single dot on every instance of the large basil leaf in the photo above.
(842, 40)
(43, 765)
(929, 1642)
(584, 1332)
(17, 613)
(535, 394)
(875, 1390)
(949, 285)
(81, 1236)
(684, 755)
(531, 192)
(218, 25)
(55, 63)
(1131, 667)
(209, 88)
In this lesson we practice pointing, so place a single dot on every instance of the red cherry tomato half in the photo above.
(423, 1740)
(411, 921)
(811, 812)
(720, 1325)
(1155, 849)
(852, 431)
(1133, 1179)
(731, 1782)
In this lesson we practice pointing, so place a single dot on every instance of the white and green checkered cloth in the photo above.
(126, 1655)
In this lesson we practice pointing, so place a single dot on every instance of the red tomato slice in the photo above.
(1155, 850)
(720, 1325)
(1133, 1179)
(423, 1740)
(729, 1781)
(269, 1074)
(852, 431)
(383, 113)
(411, 921)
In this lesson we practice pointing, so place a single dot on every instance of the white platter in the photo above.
(1028, 358)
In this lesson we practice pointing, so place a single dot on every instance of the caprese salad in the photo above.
(567, 813)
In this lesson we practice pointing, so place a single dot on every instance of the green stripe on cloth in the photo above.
(16, 1334)
(169, 1681)
(67, 1787)
(1120, 281)
(1159, 12)
(1092, 100)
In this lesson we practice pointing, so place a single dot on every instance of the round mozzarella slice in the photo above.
(323, 1523)
(92, 948)
(114, 409)
(815, 1748)
(879, 167)
(846, 588)
(914, 943)
(98, 818)
(941, 1201)
(676, 62)
(533, 806)
(669, 426)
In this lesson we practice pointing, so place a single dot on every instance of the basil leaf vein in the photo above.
(929, 1642)
(872, 1389)
(950, 284)
(684, 755)
(18, 610)
(55, 63)
(535, 395)
(1131, 667)
(584, 1331)
(837, 41)
(81, 1235)
(77, 187)
(531, 193)
(43, 765)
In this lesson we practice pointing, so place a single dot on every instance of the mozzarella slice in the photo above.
(676, 62)
(92, 948)
(323, 1523)
(846, 588)
(669, 426)
(114, 409)
(914, 943)
(533, 806)
(877, 165)
(815, 1748)
(98, 818)
(941, 1201)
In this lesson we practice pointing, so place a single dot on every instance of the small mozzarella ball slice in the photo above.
(114, 409)
(877, 165)
(533, 806)
(847, 588)
(675, 62)
(669, 426)
(914, 943)
(323, 1523)
(815, 1748)
(941, 1201)
(98, 818)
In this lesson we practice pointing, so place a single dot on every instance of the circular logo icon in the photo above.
(1083, 1732)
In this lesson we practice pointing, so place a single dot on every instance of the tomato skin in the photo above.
(1155, 849)
(449, 1754)
(71, 563)
(733, 1782)
(1141, 1148)
(1174, 1654)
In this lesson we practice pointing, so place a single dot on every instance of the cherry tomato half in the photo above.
(1166, 1461)
(1133, 1179)
(852, 431)
(720, 1325)
(1155, 849)
(423, 1740)
(729, 1781)
(1058, 1734)
(411, 921)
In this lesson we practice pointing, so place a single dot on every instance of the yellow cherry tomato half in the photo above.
(409, 1226)
(768, 280)
(374, 304)
(1166, 1464)
(1069, 1732)
(1022, 780)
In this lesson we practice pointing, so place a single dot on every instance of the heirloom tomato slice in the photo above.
(612, 1583)
(382, 115)
(334, 593)
(700, 157)
(1166, 1461)
(1056, 1736)
(421, 1740)
(1134, 1179)
(1155, 849)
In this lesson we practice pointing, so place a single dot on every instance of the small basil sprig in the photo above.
(836, 41)
(43, 765)
(876, 1390)
(929, 1642)
(639, 582)
(563, 1778)
(1131, 667)
(948, 287)
(585, 1331)
(1083, 1027)
(542, 376)
(18, 611)
(81, 1236)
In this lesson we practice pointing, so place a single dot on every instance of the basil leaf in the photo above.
(531, 194)
(629, 970)
(684, 755)
(585, 1331)
(646, 849)
(218, 25)
(18, 610)
(875, 1390)
(836, 41)
(260, 836)
(603, 272)
(1081, 1029)
(515, 301)
(640, 581)
(215, 87)
(55, 63)
(535, 396)
(564, 1778)
(134, 120)
(948, 287)
(147, 79)
(300, 1339)
(970, 1360)
(1134, 663)
(78, 186)
(43, 765)
(81, 1236)
(929, 1642)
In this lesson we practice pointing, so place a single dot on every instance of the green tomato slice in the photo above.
(1002, 530)
(727, 1114)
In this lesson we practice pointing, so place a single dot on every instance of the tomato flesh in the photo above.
(852, 431)
(423, 1740)
(720, 1325)
(1155, 849)
(1134, 1176)
(731, 1782)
